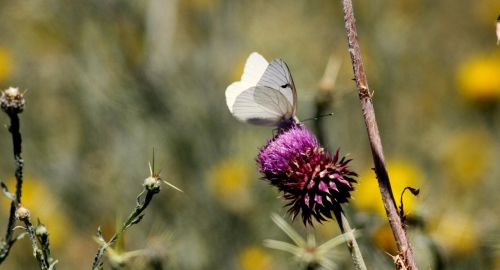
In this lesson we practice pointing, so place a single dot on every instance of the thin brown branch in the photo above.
(405, 257)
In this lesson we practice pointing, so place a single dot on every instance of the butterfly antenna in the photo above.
(318, 117)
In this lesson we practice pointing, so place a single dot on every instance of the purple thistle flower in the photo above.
(313, 183)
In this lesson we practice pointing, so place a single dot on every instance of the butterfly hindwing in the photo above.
(255, 66)
(261, 105)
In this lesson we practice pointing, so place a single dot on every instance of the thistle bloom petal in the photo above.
(313, 182)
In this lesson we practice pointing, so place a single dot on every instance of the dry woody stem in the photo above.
(406, 259)
(12, 103)
(9, 239)
(45, 262)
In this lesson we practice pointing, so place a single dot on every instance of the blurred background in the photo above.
(108, 81)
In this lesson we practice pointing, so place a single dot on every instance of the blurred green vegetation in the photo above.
(108, 81)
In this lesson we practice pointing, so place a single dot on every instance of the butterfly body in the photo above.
(265, 95)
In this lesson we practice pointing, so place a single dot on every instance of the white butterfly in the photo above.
(265, 95)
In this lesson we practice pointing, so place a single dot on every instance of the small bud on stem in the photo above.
(22, 213)
(12, 100)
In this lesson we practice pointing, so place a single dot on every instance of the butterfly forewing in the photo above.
(277, 76)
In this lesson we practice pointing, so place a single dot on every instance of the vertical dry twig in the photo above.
(405, 255)
(12, 103)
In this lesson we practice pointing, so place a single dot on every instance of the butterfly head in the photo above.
(288, 123)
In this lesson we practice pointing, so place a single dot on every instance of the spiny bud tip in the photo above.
(12, 100)
(152, 184)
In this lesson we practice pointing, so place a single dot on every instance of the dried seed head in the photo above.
(12, 100)
(22, 213)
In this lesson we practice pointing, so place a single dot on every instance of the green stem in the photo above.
(132, 219)
(352, 244)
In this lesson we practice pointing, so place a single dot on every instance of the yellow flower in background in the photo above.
(479, 78)
(383, 238)
(5, 64)
(467, 156)
(230, 183)
(402, 174)
(254, 258)
(43, 204)
(456, 234)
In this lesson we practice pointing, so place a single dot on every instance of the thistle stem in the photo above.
(43, 239)
(14, 129)
(134, 217)
(405, 253)
(352, 244)
(43, 260)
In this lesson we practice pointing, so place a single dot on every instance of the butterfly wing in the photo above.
(255, 67)
(261, 106)
(277, 76)
(266, 93)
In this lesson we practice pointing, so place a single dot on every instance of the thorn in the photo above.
(153, 169)
(178, 189)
